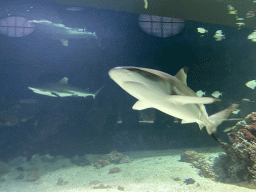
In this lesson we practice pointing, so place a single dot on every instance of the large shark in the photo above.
(63, 89)
(169, 94)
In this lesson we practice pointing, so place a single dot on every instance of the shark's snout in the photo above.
(119, 74)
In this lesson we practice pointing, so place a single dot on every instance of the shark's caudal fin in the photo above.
(217, 119)
(95, 94)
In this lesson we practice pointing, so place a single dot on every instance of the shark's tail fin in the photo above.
(95, 94)
(218, 118)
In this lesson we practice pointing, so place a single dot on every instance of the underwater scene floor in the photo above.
(148, 171)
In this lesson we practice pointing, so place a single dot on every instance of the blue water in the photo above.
(70, 126)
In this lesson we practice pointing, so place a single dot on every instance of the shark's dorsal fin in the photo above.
(182, 76)
(64, 80)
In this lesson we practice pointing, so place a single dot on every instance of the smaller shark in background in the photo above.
(63, 89)
(62, 33)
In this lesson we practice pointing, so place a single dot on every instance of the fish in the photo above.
(202, 30)
(63, 89)
(216, 94)
(169, 94)
(236, 111)
(62, 33)
(200, 93)
(240, 24)
(251, 84)
(239, 19)
(145, 4)
(218, 35)
(231, 10)
(229, 129)
(247, 100)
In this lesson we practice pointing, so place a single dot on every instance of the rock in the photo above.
(120, 188)
(33, 175)
(20, 169)
(112, 158)
(176, 179)
(94, 182)
(114, 170)
(48, 158)
(80, 161)
(62, 182)
(199, 162)
(191, 156)
(101, 163)
(189, 181)
(20, 176)
(4, 168)
(101, 186)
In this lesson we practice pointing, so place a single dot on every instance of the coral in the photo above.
(199, 162)
(238, 165)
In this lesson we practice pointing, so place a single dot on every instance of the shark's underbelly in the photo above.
(188, 112)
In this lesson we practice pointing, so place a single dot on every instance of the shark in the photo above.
(169, 94)
(63, 33)
(63, 89)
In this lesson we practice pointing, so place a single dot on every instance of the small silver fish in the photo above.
(247, 100)
(219, 35)
(251, 84)
(202, 30)
(216, 94)
(200, 93)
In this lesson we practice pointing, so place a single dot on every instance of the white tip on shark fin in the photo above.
(140, 105)
(64, 80)
(182, 99)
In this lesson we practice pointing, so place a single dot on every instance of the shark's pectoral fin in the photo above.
(55, 94)
(182, 99)
(187, 121)
(140, 105)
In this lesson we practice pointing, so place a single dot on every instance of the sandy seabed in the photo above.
(150, 171)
